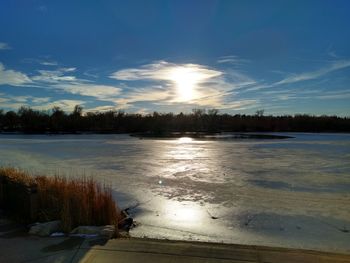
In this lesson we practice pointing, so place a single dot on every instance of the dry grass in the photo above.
(17, 176)
(75, 202)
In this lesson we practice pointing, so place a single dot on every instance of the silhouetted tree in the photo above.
(56, 120)
(259, 113)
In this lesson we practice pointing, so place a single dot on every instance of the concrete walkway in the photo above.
(17, 246)
(68, 250)
(142, 250)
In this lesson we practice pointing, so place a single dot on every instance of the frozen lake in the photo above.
(288, 192)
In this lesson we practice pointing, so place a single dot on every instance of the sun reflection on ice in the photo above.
(184, 140)
(184, 214)
(183, 157)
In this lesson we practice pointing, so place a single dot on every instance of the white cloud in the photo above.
(161, 86)
(21, 99)
(45, 61)
(15, 102)
(25, 98)
(238, 79)
(235, 60)
(337, 94)
(4, 46)
(49, 63)
(71, 69)
(208, 87)
(38, 100)
(3, 100)
(148, 94)
(295, 78)
(12, 77)
(53, 76)
(162, 70)
(342, 96)
(340, 64)
(102, 108)
(91, 74)
(62, 79)
(100, 92)
(5, 104)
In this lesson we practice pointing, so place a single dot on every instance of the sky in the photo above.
(286, 57)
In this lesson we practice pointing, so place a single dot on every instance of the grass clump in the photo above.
(16, 176)
(75, 202)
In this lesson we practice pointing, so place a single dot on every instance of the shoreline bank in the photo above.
(151, 250)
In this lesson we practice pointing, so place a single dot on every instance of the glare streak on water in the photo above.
(293, 193)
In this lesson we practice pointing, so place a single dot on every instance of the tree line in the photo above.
(56, 120)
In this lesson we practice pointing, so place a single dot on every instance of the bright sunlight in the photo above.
(186, 80)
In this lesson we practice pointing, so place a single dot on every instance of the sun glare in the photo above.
(186, 80)
(184, 140)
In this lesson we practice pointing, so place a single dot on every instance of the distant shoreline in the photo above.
(57, 121)
(183, 134)
(209, 136)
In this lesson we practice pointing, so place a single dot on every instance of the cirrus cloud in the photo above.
(336, 65)
(12, 77)
(211, 87)
(162, 70)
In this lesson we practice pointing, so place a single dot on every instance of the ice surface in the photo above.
(288, 193)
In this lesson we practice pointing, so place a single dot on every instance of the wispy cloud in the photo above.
(232, 60)
(99, 92)
(162, 70)
(5, 103)
(63, 80)
(49, 63)
(12, 77)
(336, 65)
(165, 85)
(102, 108)
(60, 80)
(91, 73)
(25, 98)
(38, 100)
(305, 93)
(21, 99)
(160, 83)
(209, 87)
(14, 102)
(39, 103)
(4, 46)
(335, 95)
(147, 94)
(300, 77)
(45, 61)
(54, 76)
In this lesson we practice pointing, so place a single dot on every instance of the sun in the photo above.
(186, 80)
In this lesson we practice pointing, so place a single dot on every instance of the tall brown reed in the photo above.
(75, 202)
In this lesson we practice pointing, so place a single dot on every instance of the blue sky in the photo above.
(285, 57)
